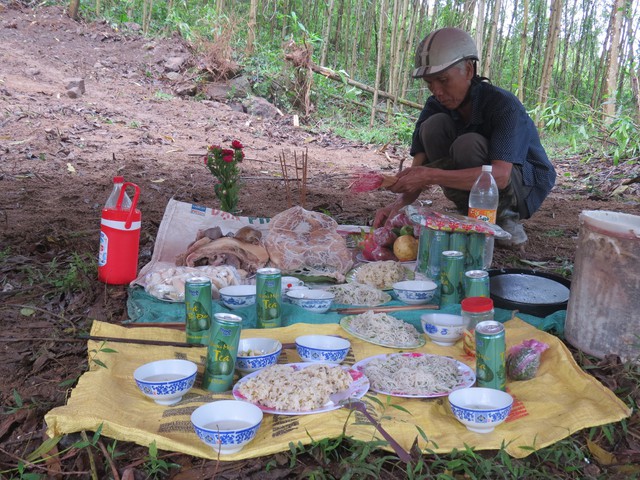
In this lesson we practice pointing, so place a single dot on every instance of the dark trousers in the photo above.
(447, 150)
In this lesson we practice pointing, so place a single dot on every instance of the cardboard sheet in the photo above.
(561, 400)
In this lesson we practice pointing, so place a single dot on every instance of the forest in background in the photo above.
(573, 63)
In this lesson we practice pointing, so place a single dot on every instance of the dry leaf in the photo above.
(71, 168)
(602, 456)
(159, 180)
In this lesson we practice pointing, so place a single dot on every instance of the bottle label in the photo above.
(104, 247)
(482, 214)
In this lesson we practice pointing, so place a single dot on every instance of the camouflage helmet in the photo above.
(442, 49)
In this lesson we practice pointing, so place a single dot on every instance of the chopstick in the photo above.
(389, 308)
(160, 343)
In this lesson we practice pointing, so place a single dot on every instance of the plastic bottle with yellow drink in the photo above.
(483, 205)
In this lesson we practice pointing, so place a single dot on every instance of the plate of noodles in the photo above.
(359, 294)
(383, 329)
(415, 375)
(380, 275)
(300, 388)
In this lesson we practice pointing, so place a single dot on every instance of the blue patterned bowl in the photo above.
(322, 348)
(480, 409)
(442, 328)
(415, 292)
(166, 381)
(314, 300)
(237, 296)
(226, 425)
(257, 353)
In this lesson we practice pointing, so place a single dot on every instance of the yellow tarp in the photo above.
(561, 400)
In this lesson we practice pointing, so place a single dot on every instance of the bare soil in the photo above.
(58, 156)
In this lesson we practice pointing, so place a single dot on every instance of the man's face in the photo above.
(450, 87)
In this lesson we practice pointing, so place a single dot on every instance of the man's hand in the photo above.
(385, 213)
(412, 181)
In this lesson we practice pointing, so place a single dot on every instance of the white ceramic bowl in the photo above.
(415, 292)
(257, 353)
(314, 300)
(166, 381)
(480, 409)
(237, 296)
(322, 348)
(286, 298)
(226, 425)
(443, 328)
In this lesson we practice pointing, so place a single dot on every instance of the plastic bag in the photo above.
(523, 360)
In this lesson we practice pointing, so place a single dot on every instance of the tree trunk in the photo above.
(480, 33)
(493, 28)
(73, 9)
(325, 34)
(354, 46)
(382, 28)
(523, 49)
(251, 27)
(550, 51)
(609, 94)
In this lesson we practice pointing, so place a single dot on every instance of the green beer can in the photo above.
(458, 241)
(438, 242)
(475, 251)
(476, 283)
(491, 355)
(269, 297)
(197, 301)
(222, 352)
(451, 277)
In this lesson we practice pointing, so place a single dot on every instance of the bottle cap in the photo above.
(476, 304)
(118, 179)
(487, 168)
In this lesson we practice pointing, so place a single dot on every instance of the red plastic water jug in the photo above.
(120, 241)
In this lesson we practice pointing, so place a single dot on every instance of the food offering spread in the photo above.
(300, 253)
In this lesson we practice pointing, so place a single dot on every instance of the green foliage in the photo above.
(63, 275)
(94, 352)
(155, 466)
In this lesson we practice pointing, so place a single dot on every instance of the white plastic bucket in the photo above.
(603, 314)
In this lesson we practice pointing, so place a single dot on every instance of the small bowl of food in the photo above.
(443, 328)
(322, 348)
(480, 409)
(237, 296)
(226, 425)
(313, 300)
(414, 292)
(257, 353)
(166, 381)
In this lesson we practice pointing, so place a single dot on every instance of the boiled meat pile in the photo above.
(307, 243)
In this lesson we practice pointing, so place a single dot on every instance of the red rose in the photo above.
(226, 151)
(227, 158)
(206, 160)
(237, 145)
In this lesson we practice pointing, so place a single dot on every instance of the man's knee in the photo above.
(470, 150)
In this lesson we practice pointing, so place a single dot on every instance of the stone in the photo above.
(174, 64)
(74, 92)
(77, 83)
(261, 107)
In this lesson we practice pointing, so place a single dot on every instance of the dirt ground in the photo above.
(58, 156)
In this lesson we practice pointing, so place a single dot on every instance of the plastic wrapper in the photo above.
(451, 222)
(523, 360)
(384, 236)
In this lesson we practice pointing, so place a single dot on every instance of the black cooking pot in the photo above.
(529, 291)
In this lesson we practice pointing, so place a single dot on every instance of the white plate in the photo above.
(351, 276)
(360, 387)
(468, 376)
(345, 323)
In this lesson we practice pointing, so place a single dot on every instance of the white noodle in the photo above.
(284, 388)
(423, 375)
(385, 329)
(380, 274)
(356, 294)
